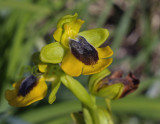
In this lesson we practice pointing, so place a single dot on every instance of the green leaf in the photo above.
(15, 52)
(132, 105)
(52, 53)
(142, 106)
(28, 6)
(95, 37)
(51, 112)
(65, 119)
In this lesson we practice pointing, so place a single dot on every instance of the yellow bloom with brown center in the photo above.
(27, 91)
(78, 52)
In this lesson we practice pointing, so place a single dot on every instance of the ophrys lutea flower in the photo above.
(77, 52)
(27, 91)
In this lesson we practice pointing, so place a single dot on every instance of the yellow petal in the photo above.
(57, 34)
(101, 64)
(71, 65)
(104, 52)
(66, 19)
(42, 67)
(70, 31)
(37, 93)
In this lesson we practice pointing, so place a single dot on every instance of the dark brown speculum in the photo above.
(84, 51)
(27, 85)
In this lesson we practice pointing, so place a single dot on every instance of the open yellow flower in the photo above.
(27, 91)
(78, 52)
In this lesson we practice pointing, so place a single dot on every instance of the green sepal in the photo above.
(66, 19)
(95, 37)
(55, 86)
(52, 53)
(95, 78)
(113, 91)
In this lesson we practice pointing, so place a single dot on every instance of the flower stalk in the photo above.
(78, 90)
(88, 102)
(90, 109)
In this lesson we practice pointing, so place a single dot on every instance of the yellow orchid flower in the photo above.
(78, 52)
(27, 91)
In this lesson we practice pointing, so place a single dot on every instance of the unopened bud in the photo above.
(115, 86)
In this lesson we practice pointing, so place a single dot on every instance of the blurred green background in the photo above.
(134, 26)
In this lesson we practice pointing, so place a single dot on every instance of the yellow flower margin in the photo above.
(59, 52)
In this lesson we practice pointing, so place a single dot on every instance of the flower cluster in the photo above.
(73, 53)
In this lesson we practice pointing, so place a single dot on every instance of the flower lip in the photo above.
(27, 85)
(84, 51)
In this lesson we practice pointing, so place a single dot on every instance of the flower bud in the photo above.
(114, 86)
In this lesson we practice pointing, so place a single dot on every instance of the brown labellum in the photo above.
(27, 85)
(83, 51)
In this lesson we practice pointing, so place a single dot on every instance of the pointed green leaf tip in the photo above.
(96, 37)
(52, 53)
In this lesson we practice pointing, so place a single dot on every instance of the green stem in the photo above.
(88, 101)
(78, 90)
(108, 103)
